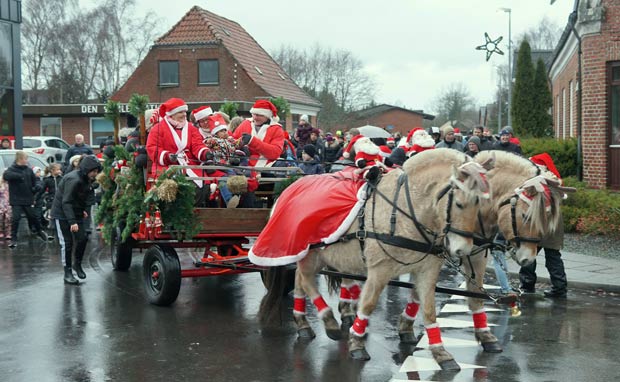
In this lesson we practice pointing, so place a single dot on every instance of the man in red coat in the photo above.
(174, 141)
(262, 134)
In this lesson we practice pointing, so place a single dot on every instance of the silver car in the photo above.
(53, 149)
(7, 158)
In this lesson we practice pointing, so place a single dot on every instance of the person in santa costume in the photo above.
(199, 118)
(264, 138)
(417, 140)
(173, 141)
(368, 158)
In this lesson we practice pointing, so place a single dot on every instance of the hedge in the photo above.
(563, 152)
(591, 211)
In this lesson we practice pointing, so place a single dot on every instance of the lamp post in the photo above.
(509, 11)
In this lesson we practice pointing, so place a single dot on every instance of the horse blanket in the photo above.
(314, 209)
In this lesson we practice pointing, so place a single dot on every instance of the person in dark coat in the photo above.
(23, 187)
(310, 163)
(72, 202)
(473, 146)
(504, 143)
(78, 148)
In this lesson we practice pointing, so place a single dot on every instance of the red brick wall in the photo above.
(145, 79)
(598, 50)
(402, 121)
(69, 127)
(563, 82)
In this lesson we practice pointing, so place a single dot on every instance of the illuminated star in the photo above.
(491, 46)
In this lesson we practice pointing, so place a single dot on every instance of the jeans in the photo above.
(499, 264)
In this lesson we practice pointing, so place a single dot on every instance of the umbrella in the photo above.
(373, 132)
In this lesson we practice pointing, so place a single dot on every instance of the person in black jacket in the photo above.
(79, 148)
(23, 187)
(73, 199)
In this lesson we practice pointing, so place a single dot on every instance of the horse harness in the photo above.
(427, 247)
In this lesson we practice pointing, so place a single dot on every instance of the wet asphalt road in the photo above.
(104, 330)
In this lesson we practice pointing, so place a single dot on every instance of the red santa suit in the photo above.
(184, 141)
(268, 141)
(367, 155)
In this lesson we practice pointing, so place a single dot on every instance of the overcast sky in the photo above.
(412, 48)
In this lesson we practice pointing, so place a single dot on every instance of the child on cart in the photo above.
(226, 151)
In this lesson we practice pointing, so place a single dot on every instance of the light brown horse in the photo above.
(523, 207)
(435, 205)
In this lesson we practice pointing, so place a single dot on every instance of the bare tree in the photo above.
(454, 103)
(543, 36)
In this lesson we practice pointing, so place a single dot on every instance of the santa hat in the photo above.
(390, 139)
(202, 112)
(264, 108)
(545, 159)
(151, 117)
(216, 123)
(347, 150)
(172, 106)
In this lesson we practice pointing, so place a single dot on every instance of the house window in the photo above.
(208, 72)
(614, 106)
(564, 113)
(102, 129)
(168, 73)
(51, 127)
(6, 55)
(557, 116)
(571, 108)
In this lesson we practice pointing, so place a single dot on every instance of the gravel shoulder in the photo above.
(592, 245)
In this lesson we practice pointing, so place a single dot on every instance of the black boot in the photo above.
(69, 279)
(77, 267)
(44, 236)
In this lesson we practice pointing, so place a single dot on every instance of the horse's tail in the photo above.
(333, 284)
(277, 280)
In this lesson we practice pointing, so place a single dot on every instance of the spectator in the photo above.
(552, 244)
(485, 143)
(504, 143)
(51, 178)
(449, 140)
(488, 134)
(332, 148)
(318, 143)
(199, 119)
(302, 134)
(513, 139)
(310, 163)
(436, 134)
(72, 202)
(234, 123)
(5, 211)
(39, 201)
(74, 162)
(78, 148)
(391, 143)
(473, 146)
(5, 144)
(22, 190)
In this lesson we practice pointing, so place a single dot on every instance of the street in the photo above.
(104, 330)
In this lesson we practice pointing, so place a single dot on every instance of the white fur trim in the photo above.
(437, 345)
(485, 329)
(478, 311)
(362, 316)
(264, 112)
(275, 261)
(213, 187)
(298, 313)
(431, 326)
(177, 109)
(422, 139)
(204, 113)
(406, 316)
(162, 157)
(347, 300)
(323, 312)
(219, 128)
(200, 152)
(346, 155)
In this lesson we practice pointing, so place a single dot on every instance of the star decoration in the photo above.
(491, 46)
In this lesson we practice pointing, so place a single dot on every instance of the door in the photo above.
(613, 129)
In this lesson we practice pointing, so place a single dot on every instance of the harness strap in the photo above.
(396, 241)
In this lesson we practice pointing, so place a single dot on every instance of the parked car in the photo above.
(7, 157)
(53, 149)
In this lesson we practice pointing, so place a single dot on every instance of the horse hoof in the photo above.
(306, 333)
(408, 338)
(492, 347)
(335, 335)
(347, 322)
(360, 354)
(449, 365)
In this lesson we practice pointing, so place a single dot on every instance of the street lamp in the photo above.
(509, 11)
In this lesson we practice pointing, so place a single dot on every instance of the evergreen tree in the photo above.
(523, 96)
(542, 102)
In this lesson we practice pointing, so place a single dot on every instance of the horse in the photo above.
(398, 232)
(523, 207)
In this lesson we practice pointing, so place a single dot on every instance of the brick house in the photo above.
(590, 109)
(204, 59)
(208, 59)
(392, 118)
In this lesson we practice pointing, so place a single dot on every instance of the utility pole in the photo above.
(509, 11)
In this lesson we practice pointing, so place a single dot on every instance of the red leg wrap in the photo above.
(320, 304)
(299, 305)
(359, 326)
(355, 291)
(411, 310)
(480, 320)
(345, 295)
(434, 335)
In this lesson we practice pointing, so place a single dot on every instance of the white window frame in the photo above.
(563, 113)
(571, 108)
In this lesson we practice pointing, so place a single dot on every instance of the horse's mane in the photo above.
(509, 173)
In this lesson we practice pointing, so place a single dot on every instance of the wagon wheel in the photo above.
(121, 251)
(162, 275)
(282, 278)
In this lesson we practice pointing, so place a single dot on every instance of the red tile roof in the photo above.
(200, 26)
